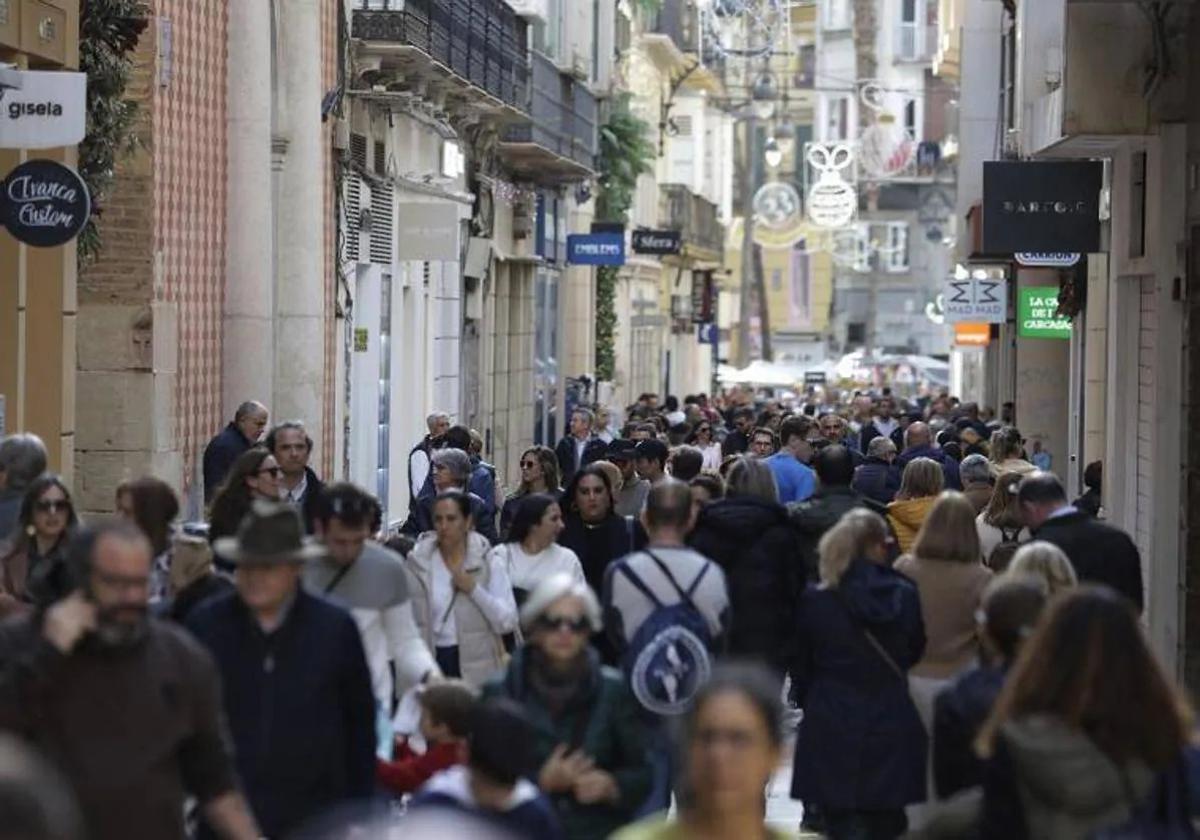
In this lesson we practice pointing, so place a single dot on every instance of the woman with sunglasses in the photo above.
(254, 475)
(704, 440)
(539, 474)
(34, 571)
(589, 753)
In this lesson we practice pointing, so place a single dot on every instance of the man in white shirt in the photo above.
(369, 580)
(438, 424)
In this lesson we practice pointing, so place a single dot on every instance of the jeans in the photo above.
(660, 754)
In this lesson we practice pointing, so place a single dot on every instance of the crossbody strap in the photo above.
(872, 640)
(341, 573)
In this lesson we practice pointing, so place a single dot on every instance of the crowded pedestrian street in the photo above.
(587, 419)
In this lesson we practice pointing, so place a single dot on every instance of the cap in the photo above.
(652, 450)
(621, 449)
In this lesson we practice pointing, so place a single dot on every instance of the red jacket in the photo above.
(409, 770)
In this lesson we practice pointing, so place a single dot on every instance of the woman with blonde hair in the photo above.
(860, 754)
(923, 479)
(1000, 526)
(1006, 451)
(1047, 564)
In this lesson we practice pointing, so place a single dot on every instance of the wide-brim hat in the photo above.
(271, 533)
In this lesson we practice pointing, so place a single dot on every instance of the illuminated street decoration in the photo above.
(832, 199)
(776, 205)
(885, 148)
(743, 28)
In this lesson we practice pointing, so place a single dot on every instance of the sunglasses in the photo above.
(52, 505)
(561, 622)
(528, 465)
(274, 472)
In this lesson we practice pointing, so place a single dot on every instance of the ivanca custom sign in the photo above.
(1048, 206)
(44, 203)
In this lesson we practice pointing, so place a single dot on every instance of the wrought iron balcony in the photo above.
(479, 45)
(694, 216)
(559, 144)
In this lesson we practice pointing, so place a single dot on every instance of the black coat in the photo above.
(735, 443)
(593, 450)
(759, 550)
(597, 547)
(310, 504)
(219, 456)
(195, 594)
(959, 712)
(300, 707)
(949, 465)
(876, 480)
(813, 517)
(861, 745)
(1099, 552)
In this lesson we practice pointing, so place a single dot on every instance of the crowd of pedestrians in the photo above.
(605, 644)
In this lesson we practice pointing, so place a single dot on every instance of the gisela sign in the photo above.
(44, 203)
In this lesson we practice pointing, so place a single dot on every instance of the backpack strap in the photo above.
(639, 584)
(684, 596)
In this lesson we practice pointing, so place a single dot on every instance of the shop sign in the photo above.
(428, 231)
(362, 339)
(48, 110)
(1037, 313)
(596, 249)
(815, 377)
(659, 242)
(1033, 259)
(44, 203)
(702, 297)
(1050, 206)
(972, 334)
(707, 334)
(980, 296)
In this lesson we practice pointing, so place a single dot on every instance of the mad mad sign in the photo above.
(1037, 314)
(977, 294)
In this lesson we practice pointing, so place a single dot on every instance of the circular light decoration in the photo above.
(885, 148)
(776, 205)
(832, 200)
(744, 28)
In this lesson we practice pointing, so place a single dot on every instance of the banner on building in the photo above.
(1049, 206)
(976, 294)
(596, 249)
(1037, 313)
(657, 242)
(47, 111)
(44, 203)
(428, 231)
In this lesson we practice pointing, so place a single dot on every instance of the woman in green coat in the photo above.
(590, 748)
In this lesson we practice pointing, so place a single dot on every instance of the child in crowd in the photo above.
(445, 724)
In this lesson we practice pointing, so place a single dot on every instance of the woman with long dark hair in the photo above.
(254, 475)
(1088, 736)
(151, 504)
(539, 474)
(34, 571)
(593, 530)
(530, 555)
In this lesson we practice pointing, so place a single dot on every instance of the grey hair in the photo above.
(455, 460)
(880, 446)
(434, 417)
(751, 477)
(974, 469)
(247, 408)
(22, 459)
(554, 588)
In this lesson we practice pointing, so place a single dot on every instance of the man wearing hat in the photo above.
(297, 689)
(631, 498)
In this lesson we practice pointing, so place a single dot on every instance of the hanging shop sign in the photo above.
(832, 199)
(428, 231)
(1050, 206)
(48, 110)
(976, 294)
(659, 242)
(703, 295)
(1037, 313)
(815, 377)
(707, 334)
(972, 334)
(596, 249)
(1034, 259)
(44, 203)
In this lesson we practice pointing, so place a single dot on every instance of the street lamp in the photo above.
(763, 95)
(772, 153)
(785, 136)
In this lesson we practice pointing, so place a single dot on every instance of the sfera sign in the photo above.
(1041, 206)
(44, 203)
(48, 110)
(660, 242)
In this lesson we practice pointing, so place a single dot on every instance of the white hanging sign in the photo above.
(832, 200)
(977, 296)
(1034, 259)
(47, 111)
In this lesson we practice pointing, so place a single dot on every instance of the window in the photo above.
(837, 14)
(856, 333)
(910, 118)
(837, 118)
(383, 455)
(894, 253)
(862, 249)
(910, 40)
(1008, 76)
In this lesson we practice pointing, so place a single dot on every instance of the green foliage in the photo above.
(108, 35)
(625, 153)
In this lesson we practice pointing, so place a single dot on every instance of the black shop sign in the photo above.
(660, 242)
(1041, 206)
(44, 203)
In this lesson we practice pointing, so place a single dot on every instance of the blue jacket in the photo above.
(420, 518)
(300, 706)
(949, 465)
(876, 480)
(219, 456)
(861, 745)
(959, 712)
(796, 481)
(482, 483)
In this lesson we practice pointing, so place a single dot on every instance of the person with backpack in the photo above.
(1001, 530)
(666, 611)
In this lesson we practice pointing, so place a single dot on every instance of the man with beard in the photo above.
(128, 708)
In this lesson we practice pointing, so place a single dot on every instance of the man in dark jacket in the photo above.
(297, 689)
(738, 441)
(875, 479)
(918, 443)
(882, 424)
(292, 447)
(580, 447)
(451, 470)
(834, 497)
(480, 481)
(418, 457)
(1099, 552)
(245, 430)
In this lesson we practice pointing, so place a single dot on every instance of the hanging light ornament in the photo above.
(776, 205)
(832, 199)
(885, 148)
(743, 28)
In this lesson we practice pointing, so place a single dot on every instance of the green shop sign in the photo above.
(1037, 314)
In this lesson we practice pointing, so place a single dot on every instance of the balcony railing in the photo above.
(694, 216)
(483, 42)
(563, 116)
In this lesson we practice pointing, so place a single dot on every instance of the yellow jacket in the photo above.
(906, 518)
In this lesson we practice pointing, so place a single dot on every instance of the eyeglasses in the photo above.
(562, 622)
(274, 472)
(528, 465)
(52, 505)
